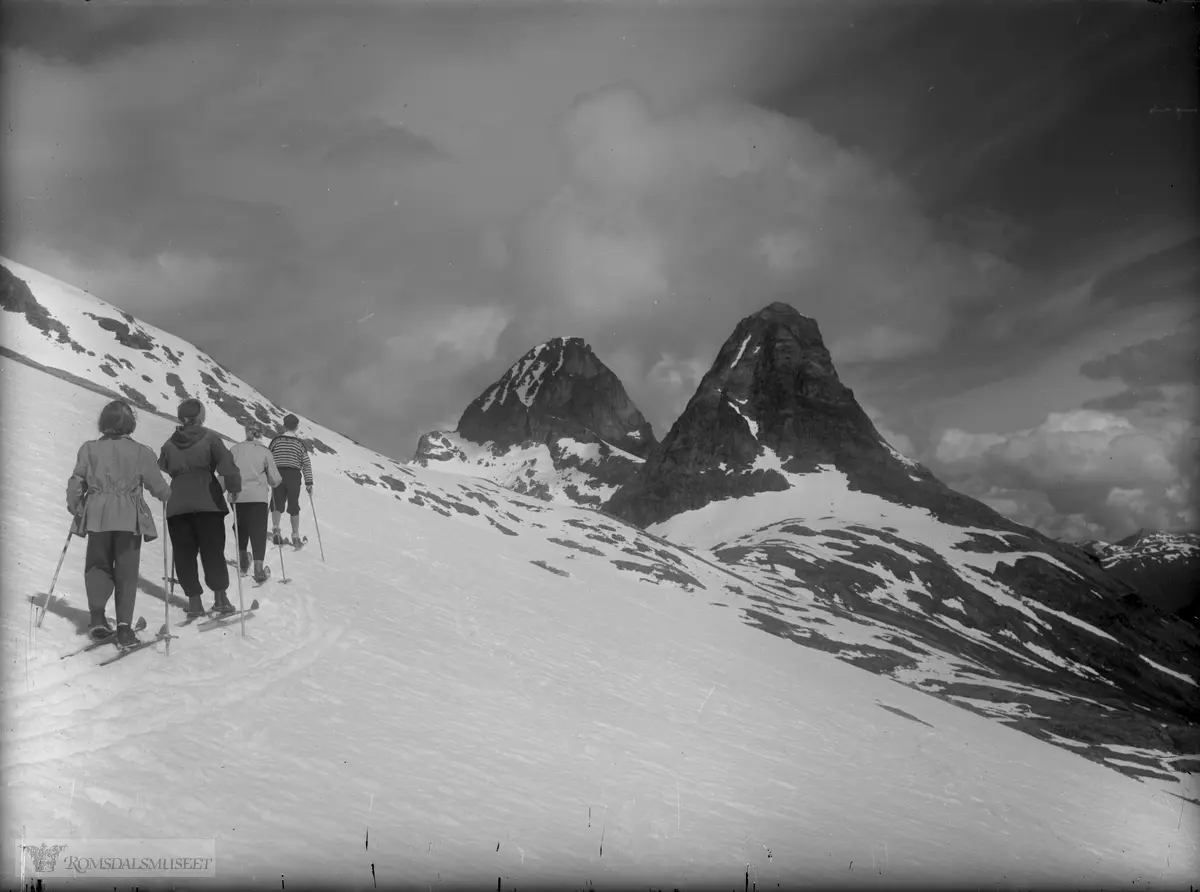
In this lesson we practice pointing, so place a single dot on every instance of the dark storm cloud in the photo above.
(1126, 400)
(1169, 274)
(1172, 359)
(382, 143)
(84, 33)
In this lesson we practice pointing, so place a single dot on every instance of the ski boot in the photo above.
(195, 607)
(221, 605)
(297, 542)
(261, 573)
(244, 562)
(126, 637)
(276, 537)
(99, 628)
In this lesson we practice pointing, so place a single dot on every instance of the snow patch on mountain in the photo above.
(741, 351)
(1170, 672)
(565, 472)
(737, 406)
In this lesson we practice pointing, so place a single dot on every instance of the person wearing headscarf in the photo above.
(107, 482)
(193, 457)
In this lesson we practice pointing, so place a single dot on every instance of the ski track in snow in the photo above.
(481, 718)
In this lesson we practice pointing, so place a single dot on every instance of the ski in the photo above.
(162, 635)
(108, 639)
(216, 621)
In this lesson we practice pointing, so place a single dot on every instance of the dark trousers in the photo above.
(112, 562)
(252, 527)
(202, 534)
(287, 493)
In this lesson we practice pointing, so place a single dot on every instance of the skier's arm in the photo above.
(226, 467)
(152, 477)
(77, 483)
(306, 467)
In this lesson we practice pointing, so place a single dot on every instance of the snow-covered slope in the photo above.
(950, 610)
(53, 325)
(563, 470)
(474, 688)
(1166, 548)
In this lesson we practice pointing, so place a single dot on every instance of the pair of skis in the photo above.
(123, 652)
(164, 635)
(212, 622)
(107, 639)
(207, 621)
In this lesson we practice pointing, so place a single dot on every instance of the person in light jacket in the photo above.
(193, 457)
(107, 484)
(259, 477)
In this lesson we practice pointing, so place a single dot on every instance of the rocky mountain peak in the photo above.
(558, 389)
(772, 404)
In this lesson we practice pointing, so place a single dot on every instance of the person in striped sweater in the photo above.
(291, 458)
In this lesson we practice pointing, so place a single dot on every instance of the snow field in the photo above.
(432, 688)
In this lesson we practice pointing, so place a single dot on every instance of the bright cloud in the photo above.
(1089, 468)
(710, 209)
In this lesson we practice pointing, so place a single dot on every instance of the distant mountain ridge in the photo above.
(1163, 567)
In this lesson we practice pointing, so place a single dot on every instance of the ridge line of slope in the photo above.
(100, 389)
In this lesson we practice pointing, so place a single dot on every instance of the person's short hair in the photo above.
(117, 419)
(254, 429)
(189, 409)
(291, 422)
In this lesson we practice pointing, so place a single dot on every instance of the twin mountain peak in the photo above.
(559, 425)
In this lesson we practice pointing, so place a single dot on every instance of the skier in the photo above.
(291, 457)
(193, 456)
(259, 477)
(109, 474)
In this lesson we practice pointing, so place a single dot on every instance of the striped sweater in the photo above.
(289, 452)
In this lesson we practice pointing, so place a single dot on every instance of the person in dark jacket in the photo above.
(109, 474)
(196, 511)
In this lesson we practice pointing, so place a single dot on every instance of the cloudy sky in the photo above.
(370, 211)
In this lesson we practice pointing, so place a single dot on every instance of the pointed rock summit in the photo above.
(772, 402)
(557, 423)
(558, 389)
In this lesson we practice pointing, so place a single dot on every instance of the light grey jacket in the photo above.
(257, 467)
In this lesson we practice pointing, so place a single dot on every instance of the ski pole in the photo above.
(279, 544)
(53, 582)
(316, 524)
(237, 542)
(282, 568)
(168, 581)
